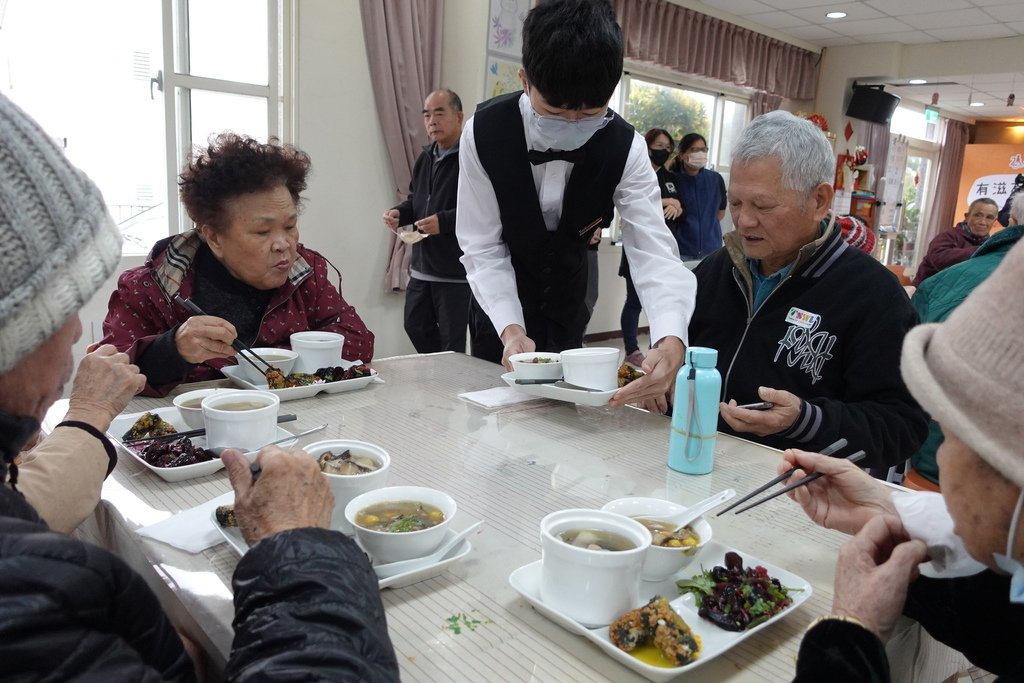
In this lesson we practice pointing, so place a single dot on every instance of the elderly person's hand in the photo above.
(653, 389)
(203, 337)
(390, 218)
(763, 422)
(291, 492)
(515, 340)
(428, 225)
(103, 385)
(845, 499)
(874, 569)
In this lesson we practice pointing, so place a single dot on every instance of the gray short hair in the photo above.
(1017, 210)
(801, 147)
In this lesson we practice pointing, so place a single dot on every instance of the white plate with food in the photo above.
(583, 397)
(234, 538)
(713, 639)
(120, 425)
(234, 373)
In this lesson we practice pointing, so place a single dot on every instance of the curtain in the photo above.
(762, 103)
(660, 32)
(875, 138)
(951, 163)
(403, 45)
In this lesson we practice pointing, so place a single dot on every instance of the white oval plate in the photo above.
(233, 373)
(581, 397)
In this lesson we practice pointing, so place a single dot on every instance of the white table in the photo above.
(508, 467)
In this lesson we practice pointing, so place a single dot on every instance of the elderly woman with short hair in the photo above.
(243, 266)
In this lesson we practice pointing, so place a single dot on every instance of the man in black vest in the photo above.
(539, 171)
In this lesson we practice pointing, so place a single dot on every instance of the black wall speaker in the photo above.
(872, 103)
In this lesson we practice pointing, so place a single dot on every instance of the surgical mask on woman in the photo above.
(659, 156)
(554, 132)
(697, 159)
(1007, 563)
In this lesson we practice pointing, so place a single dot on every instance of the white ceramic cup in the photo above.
(661, 562)
(592, 587)
(282, 359)
(524, 368)
(345, 487)
(593, 367)
(248, 429)
(316, 350)
(190, 406)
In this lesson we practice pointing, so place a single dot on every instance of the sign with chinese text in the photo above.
(989, 171)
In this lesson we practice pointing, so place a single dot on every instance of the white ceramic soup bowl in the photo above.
(384, 546)
(594, 367)
(246, 420)
(524, 367)
(592, 587)
(190, 406)
(282, 359)
(345, 487)
(661, 562)
(316, 350)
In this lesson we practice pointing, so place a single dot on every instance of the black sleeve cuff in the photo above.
(807, 424)
(107, 446)
(160, 362)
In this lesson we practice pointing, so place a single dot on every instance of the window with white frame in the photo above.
(126, 87)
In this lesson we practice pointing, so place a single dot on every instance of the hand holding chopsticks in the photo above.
(241, 347)
(853, 457)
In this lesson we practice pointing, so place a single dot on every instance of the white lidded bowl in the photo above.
(523, 366)
(345, 487)
(247, 429)
(316, 350)
(282, 359)
(384, 546)
(190, 406)
(593, 367)
(593, 587)
(661, 562)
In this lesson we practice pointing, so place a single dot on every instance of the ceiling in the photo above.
(910, 22)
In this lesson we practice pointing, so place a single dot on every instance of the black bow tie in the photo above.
(573, 156)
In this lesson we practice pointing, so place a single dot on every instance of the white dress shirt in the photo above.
(925, 517)
(666, 288)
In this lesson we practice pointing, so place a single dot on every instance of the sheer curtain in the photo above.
(951, 163)
(875, 137)
(403, 45)
(762, 103)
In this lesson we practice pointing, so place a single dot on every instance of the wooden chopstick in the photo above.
(852, 457)
(828, 450)
(191, 432)
(237, 344)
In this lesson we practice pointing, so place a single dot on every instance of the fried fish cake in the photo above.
(657, 623)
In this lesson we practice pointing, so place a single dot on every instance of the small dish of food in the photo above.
(190, 405)
(281, 359)
(671, 549)
(174, 459)
(400, 522)
(538, 365)
(351, 468)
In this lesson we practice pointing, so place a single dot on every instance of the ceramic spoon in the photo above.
(390, 569)
(691, 513)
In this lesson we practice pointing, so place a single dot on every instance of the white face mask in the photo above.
(697, 159)
(554, 132)
(1007, 563)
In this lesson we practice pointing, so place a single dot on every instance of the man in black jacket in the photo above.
(437, 298)
(799, 318)
(306, 600)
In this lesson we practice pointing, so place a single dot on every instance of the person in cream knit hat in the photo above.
(951, 561)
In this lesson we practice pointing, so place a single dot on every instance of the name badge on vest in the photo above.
(802, 318)
(592, 226)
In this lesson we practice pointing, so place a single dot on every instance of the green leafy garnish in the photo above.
(456, 622)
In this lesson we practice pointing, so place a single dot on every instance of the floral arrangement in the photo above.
(815, 118)
(858, 158)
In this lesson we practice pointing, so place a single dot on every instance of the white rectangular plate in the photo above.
(714, 640)
(122, 423)
(234, 538)
(581, 397)
(233, 373)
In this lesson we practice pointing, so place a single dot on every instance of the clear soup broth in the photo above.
(597, 539)
(399, 517)
(241, 405)
(193, 402)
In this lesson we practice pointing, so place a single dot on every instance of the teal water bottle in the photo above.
(691, 446)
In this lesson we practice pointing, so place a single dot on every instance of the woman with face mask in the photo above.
(659, 149)
(967, 542)
(702, 192)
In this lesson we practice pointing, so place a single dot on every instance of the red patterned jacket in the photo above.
(142, 308)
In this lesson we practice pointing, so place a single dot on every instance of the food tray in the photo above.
(581, 397)
(234, 538)
(714, 640)
(233, 373)
(122, 423)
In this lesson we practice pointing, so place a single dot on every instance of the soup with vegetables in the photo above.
(596, 539)
(666, 535)
(399, 517)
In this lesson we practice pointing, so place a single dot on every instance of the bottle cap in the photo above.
(702, 356)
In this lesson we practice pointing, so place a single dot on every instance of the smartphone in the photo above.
(761, 405)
